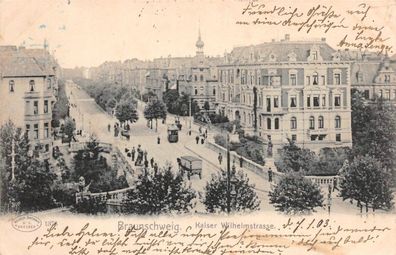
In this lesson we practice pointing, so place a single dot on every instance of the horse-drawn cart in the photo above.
(190, 165)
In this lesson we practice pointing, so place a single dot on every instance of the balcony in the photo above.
(32, 94)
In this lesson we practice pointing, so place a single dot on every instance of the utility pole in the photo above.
(189, 109)
(13, 159)
(228, 175)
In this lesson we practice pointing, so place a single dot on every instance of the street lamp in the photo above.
(231, 179)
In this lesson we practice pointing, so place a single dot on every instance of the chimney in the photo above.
(323, 39)
(287, 37)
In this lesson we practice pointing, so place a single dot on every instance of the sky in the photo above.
(90, 32)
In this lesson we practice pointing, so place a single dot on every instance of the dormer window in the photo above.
(49, 83)
(272, 57)
(31, 85)
(315, 55)
(315, 79)
(11, 84)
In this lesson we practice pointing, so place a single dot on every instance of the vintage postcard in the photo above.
(197, 127)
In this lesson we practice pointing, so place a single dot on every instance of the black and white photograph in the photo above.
(197, 127)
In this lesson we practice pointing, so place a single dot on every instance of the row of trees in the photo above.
(179, 104)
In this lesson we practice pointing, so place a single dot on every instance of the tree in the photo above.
(69, 127)
(8, 133)
(296, 194)
(216, 194)
(293, 158)
(33, 186)
(158, 193)
(206, 106)
(373, 129)
(155, 109)
(170, 97)
(89, 164)
(365, 180)
(126, 111)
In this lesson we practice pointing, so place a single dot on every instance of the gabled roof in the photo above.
(18, 63)
(280, 50)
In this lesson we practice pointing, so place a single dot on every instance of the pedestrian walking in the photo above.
(152, 162)
(220, 158)
(335, 184)
(202, 140)
(145, 155)
(133, 151)
(270, 174)
(240, 161)
(158, 140)
(200, 130)
(197, 139)
(146, 163)
(330, 189)
(155, 168)
(206, 133)
(108, 127)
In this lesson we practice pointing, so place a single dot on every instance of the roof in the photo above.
(22, 63)
(190, 158)
(281, 50)
(368, 71)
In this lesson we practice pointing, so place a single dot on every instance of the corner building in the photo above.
(280, 90)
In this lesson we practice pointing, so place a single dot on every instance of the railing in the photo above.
(263, 170)
(119, 195)
(76, 146)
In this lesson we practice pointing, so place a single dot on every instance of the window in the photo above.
(196, 91)
(201, 77)
(268, 104)
(31, 85)
(47, 148)
(387, 78)
(323, 100)
(337, 101)
(308, 80)
(276, 123)
(35, 107)
(387, 94)
(311, 122)
(293, 79)
(293, 101)
(36, 131)
(316, 101)
(49, 83)
(293, 123)
(294, 138)
(45, 106)
(381, 93)
(196, 78)
(321, 122)
(46, 130)
(315, 55)
(337, 79)
(276, 102)
(11, 84)
(323, 80)
(315, 79)
(337, 122)
(338, 137)
(27, 130)
(308, 101)
(214, 92)
(268, 123)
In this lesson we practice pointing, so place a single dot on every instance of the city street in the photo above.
(90, 117)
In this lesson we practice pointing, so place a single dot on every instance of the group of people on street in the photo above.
(202, 136)
(139, 156)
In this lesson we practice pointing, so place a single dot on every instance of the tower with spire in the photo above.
(200, 45)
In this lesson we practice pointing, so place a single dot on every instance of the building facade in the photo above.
(28, 87)
(288, 90)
